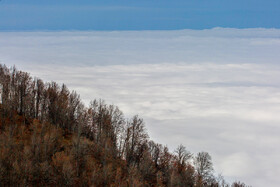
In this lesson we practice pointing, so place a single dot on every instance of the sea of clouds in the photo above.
(214, 90)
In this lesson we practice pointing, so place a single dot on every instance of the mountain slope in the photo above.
(48, 137)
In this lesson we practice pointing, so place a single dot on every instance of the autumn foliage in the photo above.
(49, 138)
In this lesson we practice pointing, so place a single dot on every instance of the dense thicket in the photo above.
(49, 138)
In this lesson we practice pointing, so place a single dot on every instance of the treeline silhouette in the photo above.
(49, 138)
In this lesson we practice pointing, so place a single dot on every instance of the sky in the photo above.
(204, 73)
(215, 90)
(27, 15)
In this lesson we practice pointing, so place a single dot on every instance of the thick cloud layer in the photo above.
(213, 90)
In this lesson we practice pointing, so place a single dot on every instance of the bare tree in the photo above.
(182, 155)
(135, 140)
(203, 166)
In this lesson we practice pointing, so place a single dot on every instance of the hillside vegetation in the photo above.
(49, 138)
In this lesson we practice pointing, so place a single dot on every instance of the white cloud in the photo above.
(238, 165)
(213, 90)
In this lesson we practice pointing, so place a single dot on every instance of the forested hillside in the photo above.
(49, 138)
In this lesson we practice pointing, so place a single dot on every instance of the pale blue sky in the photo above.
(137, 15)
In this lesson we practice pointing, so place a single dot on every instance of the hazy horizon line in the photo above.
(136, 30)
